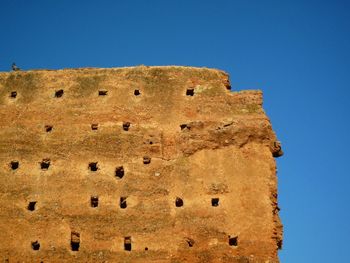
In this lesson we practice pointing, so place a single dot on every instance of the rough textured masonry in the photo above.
(138, 164)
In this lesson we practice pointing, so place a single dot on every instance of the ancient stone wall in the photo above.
(139, 164)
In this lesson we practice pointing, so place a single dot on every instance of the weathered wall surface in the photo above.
(185, 169)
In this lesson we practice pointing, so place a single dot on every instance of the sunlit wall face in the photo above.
(295, 51)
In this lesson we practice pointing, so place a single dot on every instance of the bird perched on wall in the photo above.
(14, 67)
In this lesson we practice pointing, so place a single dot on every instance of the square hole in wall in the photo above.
(48, 128)
(75, 241)
(13, 94)
(119, 172)
(189, 92)
(31, 205)
(94, 126)
(94, 201)
(36, 245)
(146, 160)
(126, 125)
(190, 242)
(123, 203)
(233, 241)
(93, 166)
(14, 165)
(184, 127)
(59, 93)
(102, 93)
(179, 202)
(137, 92)
(215, 202)
(127, 243)
(45, 164)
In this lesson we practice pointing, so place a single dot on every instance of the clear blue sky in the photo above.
(296, 51)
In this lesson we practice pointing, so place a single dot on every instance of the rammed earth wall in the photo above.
(138, 164)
